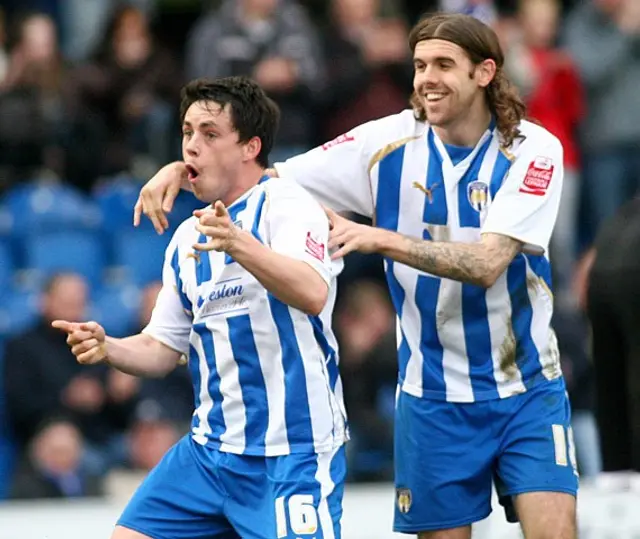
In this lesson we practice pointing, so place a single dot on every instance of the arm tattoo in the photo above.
(473, 263)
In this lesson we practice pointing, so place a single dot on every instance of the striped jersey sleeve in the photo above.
(526, 206)
(337, 173)
(298, 226)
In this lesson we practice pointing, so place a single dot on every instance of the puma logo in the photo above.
(426, 190)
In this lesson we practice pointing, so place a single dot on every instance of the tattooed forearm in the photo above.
(475, 263)
(459, 261)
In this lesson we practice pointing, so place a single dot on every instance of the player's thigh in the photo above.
(537, 452)
(306, 494)
(444, 454)
(547, 515)
(456, 533)
(179, 499)
(125, 533)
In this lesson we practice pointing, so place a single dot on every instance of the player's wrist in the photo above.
(239, 242)
(180, 169)
(103, 353)
(385, 241)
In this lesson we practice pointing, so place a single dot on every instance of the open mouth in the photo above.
(434, 97)
(192, 173)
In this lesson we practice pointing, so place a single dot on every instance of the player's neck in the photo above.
(245, 181)
(468, 130)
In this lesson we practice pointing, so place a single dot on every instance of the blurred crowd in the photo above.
(89, 95)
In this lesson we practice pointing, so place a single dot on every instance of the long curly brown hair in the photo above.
(480, 43)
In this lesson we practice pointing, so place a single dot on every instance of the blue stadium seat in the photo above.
(38, 207)
(19, 309)
(183, 208)
(7, 265)
(6, 221)
(141, 253)
(116, 308)
(75, 251)
(116, 199)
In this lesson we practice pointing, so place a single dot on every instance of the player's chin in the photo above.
(437, 118)
(200, 193)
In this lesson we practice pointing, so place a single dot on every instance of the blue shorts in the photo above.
(200, 493)
(448, 454)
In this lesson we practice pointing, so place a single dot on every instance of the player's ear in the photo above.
(485, 72)
(252, 149)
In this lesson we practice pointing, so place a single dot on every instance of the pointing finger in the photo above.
(220, 208)
(137, 212)
(63, 325)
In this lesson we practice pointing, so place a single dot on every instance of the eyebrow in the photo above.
(437, 59)
(201, 125)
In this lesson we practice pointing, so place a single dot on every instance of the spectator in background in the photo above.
(577, 368)
(84, 21)
(484, 10)
(43, 379)
(370, 72)
(32, 100)
(611, 291)
(126, 89)
(551, 88)
(4, 57)
(604, 38)
(165, 408)
(273, 42)
(52, 466)
(366, 330)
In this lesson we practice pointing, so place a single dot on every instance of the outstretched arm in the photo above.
(139, 355)
(159, 193)
(479, 263)
(475, 263)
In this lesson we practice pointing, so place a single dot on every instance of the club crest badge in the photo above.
(403, 498)
(478, 195)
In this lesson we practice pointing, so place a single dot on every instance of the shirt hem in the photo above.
(429, 394)
(273, 451)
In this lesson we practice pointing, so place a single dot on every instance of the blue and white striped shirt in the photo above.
(265, 374)
(456, 341)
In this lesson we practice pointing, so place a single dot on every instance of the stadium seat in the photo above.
(39, 207)
(141, 253)
(116, 308)
(183, 208)
(7, 265)
(75, 251)
(6, 222)
(116, 199)
(19, 309)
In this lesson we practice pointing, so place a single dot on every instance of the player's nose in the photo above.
(191, 146)
(429, 78)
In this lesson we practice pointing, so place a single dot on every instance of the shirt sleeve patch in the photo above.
(538, 176)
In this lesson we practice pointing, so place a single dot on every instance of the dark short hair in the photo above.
(252, 112)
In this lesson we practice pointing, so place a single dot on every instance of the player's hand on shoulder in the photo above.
(346, 236)
(216, 224)
(158, 195)
(86, 339)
